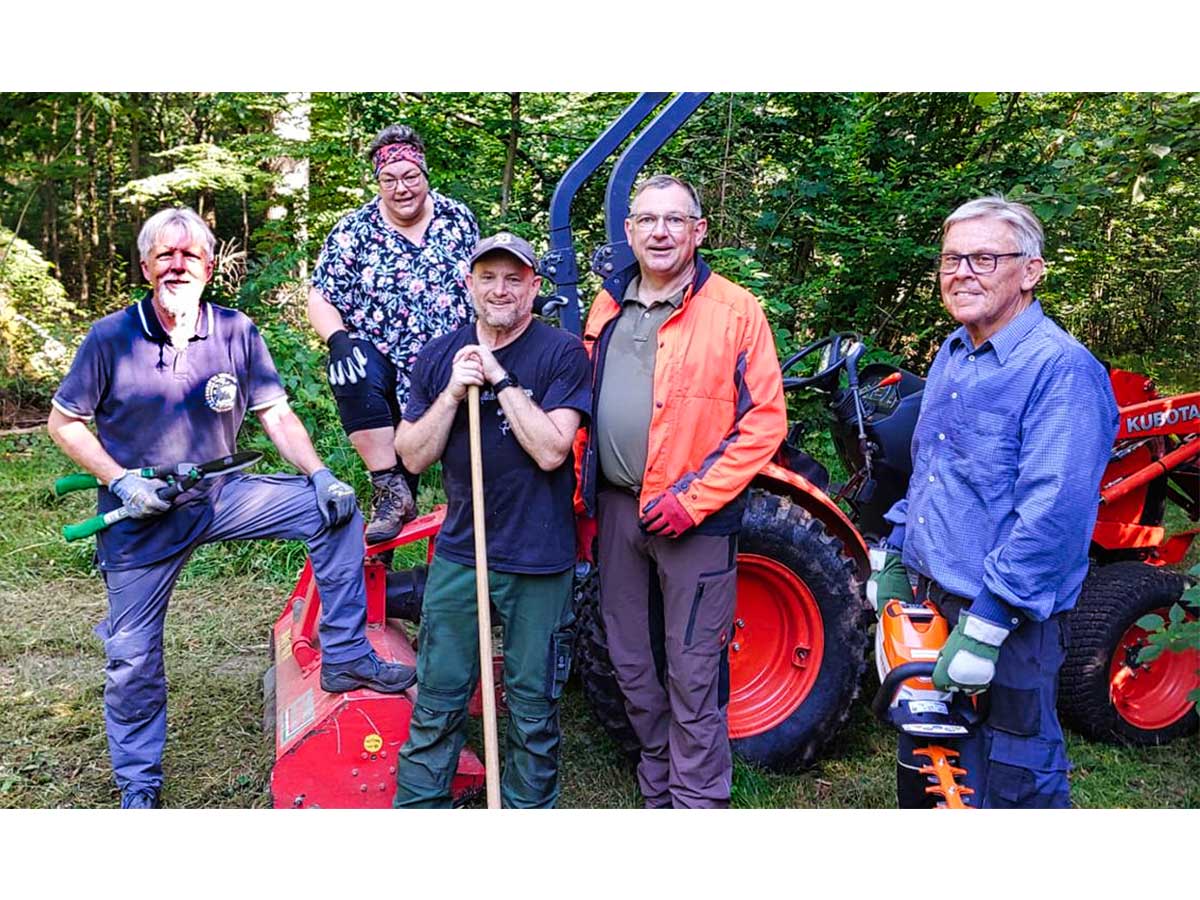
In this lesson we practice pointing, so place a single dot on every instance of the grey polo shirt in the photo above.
(626, 400)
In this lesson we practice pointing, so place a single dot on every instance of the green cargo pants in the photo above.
(538, 621)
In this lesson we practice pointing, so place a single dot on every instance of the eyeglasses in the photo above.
(411, 180)
(978, 263)
(675, 222)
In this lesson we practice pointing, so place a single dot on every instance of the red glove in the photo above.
(666, 516)
(585, 538)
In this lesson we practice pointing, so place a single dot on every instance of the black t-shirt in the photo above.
(530, 518)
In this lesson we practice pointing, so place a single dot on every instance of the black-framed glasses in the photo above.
(411, 180)
(675, 222)
(978, 263)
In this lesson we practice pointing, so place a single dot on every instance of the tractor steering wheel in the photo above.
(833, 357)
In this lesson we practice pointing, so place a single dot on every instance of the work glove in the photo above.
(139, 495)
(585, 538)
(967, 661)
(665, 516)
(335, 499)
(347, 363)
(889, 579)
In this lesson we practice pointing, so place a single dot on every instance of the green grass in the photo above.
(52, 746)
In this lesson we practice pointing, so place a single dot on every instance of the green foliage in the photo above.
(196, 168)
(33, 309)
(828, 206)
(1181, 631)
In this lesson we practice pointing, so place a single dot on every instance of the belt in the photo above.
(927, 588)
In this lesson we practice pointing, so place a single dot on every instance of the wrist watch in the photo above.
(509, 380)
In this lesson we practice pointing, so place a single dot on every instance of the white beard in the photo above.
(184, 307)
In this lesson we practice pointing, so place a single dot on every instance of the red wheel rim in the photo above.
(1151, 695)
(777, 648)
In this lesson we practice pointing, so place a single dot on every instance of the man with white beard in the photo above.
(169, 380)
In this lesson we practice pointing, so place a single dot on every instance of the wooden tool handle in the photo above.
(487, 685)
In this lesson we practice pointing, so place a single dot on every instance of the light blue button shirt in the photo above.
(1008, 453)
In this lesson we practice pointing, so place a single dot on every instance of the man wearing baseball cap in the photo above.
(535, 393)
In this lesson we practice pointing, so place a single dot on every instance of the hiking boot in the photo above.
(140, 798)
(392, 506)
(367, 672)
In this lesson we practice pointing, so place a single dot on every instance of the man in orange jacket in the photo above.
(687, 407)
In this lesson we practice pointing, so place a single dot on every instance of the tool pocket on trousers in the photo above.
(558, 663)
(708, 624)
(1027, 772)
(1015, 710)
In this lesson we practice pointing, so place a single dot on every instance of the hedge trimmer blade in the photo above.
(944, 777)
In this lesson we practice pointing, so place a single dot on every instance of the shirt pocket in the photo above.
(988, 443)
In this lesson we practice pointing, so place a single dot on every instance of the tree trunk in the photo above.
(289, 193)
(720, 237)
(52, 203)
(92, 220)
(510, 157)
(136, 119)
(110, 245)
(76, 225)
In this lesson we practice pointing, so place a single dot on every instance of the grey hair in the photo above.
(661, 182)
(1026, 228)
(182, 216)
(394, 134)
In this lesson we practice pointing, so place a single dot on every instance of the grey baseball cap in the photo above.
(518, 247)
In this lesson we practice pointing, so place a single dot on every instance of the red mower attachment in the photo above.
(340, 751)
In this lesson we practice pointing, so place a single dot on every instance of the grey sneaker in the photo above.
(392, 506)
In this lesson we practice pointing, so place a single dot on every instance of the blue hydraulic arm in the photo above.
(558, 264)
(617, 255)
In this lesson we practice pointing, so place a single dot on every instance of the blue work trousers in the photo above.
(1017, 758)
(245, 507)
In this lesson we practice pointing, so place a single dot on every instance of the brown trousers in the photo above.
(668, 614)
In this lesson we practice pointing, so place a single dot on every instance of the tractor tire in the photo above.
(595, 671)
(1096, 695)
(799, 646)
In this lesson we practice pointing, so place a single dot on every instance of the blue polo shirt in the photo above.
(529, 514)
(153, 405)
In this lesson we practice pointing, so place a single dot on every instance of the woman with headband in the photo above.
(391, 277)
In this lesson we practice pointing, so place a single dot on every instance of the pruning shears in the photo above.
(179, 478)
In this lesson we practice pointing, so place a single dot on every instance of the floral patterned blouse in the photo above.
(393, 293)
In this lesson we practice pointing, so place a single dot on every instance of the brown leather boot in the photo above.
(392, 506)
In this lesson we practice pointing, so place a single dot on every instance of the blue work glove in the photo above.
(347, 363)
(139, 495)
(335, 499)
(889, 579)
(967, 661)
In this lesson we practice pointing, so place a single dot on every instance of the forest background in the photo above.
(827, 206)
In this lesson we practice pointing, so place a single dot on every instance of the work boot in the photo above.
(392, 506)
(367, 672)
(140, 798)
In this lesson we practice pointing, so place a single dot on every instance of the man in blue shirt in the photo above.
(536, 390)
(1017, 423)
(165, 381)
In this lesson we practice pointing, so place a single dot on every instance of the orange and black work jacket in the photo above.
(719, 412)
